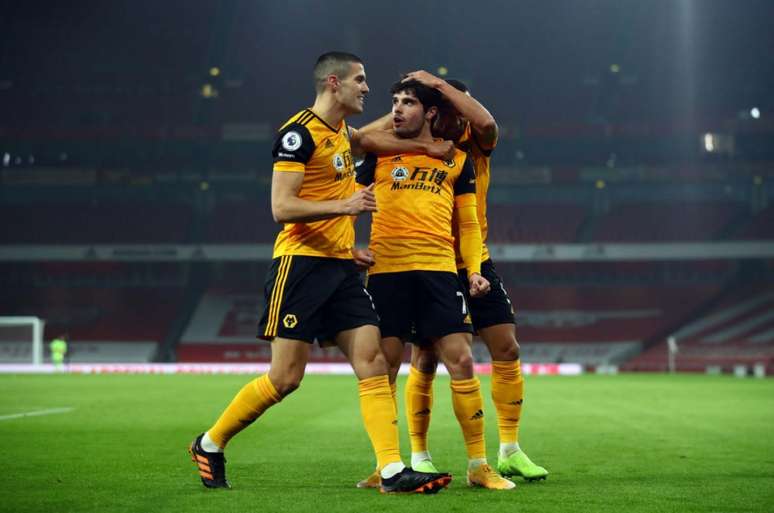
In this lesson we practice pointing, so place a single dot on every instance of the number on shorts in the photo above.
(464, 306)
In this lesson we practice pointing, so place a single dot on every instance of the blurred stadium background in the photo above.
(631, 194)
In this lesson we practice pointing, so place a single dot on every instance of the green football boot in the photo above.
(425, 466)
(519, 464)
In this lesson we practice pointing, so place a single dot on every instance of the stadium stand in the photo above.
(737, 330)
(761, 226)
(239, 222)
(534, 223)
(120, 222)
(106, 324)
(642, 222)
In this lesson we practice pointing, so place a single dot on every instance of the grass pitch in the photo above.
(647, 443)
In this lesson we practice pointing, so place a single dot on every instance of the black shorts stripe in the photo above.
(276, 295)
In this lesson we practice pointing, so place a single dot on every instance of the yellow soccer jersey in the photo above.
(412, 229)
(306, 144)
(481, 163)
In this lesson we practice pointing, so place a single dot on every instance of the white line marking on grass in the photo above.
(38, 413)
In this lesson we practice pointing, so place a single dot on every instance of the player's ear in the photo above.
(431, 113)
(333, 81)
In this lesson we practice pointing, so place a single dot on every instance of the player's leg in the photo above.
(456, 354)
(419, 404)
(288, 361)
(383, 290)
(508, 397)
(361, 347)
(292, 288)
(446, 322)
(392, 349)
(494, 320)
(350, 314)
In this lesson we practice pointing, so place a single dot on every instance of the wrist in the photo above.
(340, 208)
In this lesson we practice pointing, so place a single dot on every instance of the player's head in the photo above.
(450, 124)
(342, 75)
(413, 105)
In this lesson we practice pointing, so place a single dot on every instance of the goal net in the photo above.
(21, 340)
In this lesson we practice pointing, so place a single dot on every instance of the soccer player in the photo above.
(58, 347)
(474, 129)
(413, 279)
(313, 290)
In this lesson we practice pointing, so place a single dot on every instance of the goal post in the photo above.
(21, 340)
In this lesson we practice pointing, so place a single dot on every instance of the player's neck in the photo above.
(329, 110)
(425, 135)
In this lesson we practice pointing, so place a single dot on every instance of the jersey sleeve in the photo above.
(293, 148)
(466, 182)
(365, 170)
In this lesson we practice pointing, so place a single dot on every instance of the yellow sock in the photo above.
(469, 409)
(380, 418)
(419, 404)
(507, 395)
(394, 392)
(254, 399)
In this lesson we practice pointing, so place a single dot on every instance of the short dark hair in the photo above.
(427, 96)
(333, 63)
(457, 84)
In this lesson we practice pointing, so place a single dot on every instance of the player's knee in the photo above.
(287, 384)
(426, 362)
(507, 353)
(288, 387)
(393, 358)
(376, 363)
(461, 365)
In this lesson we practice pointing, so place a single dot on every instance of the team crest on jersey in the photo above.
(338, 162)
(291, 141)
(399, 174)
(449, 163)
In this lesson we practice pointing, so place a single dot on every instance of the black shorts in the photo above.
(310, 298)
(419, 305)
(495, 307)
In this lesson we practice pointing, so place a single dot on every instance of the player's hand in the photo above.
(479, 286)
(364, 258)
(363, 200)
(443, 150)
(424, 77)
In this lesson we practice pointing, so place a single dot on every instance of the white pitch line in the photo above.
(38, 413)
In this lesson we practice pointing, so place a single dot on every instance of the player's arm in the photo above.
(481, 120)
(466, 216)
(293, 148)
(385, 142)
(356, 134)
(288, 207)
(381, 124)
(365, 173)
(378, 137)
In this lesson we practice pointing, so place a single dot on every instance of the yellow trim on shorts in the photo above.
(277, 293)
